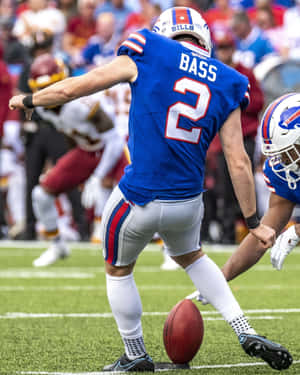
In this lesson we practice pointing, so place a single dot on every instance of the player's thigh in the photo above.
(180, 226)
(126, 228)
(72, 169)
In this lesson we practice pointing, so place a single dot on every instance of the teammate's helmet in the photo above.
(280, 129)
(46, 70)
(183, 21)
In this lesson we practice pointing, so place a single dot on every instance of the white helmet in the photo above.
(183, 21)
(280, 128)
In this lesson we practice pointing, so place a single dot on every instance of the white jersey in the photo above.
(73, 120)
(119, 98)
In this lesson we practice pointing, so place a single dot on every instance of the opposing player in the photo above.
(98, 155)
(180, 99)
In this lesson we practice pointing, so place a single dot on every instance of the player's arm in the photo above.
(239, 167)
(121, 69)
(251, 249)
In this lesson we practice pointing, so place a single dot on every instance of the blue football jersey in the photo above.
(180, 100)
(279, 186)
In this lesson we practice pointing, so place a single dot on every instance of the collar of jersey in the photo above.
(200, 50)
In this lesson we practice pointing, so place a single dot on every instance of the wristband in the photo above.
(252, 221)
(27, 101)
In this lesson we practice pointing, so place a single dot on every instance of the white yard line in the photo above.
(76, 288)
(209, 315)
(90, 272)
(245, 364)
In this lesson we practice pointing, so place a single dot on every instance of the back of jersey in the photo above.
(180, 100)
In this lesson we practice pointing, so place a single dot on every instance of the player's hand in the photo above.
(198, 297)
(283, 246)
(90, 192)
(265, 234)
(16, 102)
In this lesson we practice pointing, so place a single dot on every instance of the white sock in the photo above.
(126, 306)
(211, 283)
(44, 208)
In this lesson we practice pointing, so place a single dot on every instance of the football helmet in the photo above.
(183, 21)
(46, 70)
(280, 129)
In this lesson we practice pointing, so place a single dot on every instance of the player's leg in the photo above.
(182, 241)
(71, 170)
(126, 230)
(45, 211)
(103, 195)
(105, 189)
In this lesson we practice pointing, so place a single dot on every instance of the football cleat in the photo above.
(56, 251)
(274, 354)
(123, 364)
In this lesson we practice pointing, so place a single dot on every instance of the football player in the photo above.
(281, 145)
(98, 158)
(181, 98)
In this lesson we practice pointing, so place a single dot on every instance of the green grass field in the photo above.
(57, 320)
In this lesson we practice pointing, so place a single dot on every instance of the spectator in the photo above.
(144, 18)
(120, 11)
(225, 48)
(252, 45)
(5, 93)
(39, 16)
(80, 28)
(5, 90)
(15, 53)
(219, 16)
(101, 47)
(275, 34)
(276, 10)
(7, 11)
(291, 24)
(68, 8)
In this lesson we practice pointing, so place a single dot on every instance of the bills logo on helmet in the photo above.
(290, 119)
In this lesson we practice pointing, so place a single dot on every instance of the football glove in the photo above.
(283, 246)
(90, 192)
(198, 297)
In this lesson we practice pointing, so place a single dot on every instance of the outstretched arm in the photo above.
(239, 167)
(121, 69)
(251, 249)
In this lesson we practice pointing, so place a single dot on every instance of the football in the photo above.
(183, 332)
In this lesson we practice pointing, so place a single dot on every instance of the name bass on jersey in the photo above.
(198, 67)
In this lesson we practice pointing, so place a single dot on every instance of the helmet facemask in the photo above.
(286, 164)
(280, 129)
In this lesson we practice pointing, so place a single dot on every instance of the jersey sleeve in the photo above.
(242, 91)
(134, 45)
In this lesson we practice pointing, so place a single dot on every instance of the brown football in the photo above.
(183, 332)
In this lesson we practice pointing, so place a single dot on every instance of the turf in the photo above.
(42, 333)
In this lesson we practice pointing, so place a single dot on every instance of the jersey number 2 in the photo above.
(178, 109)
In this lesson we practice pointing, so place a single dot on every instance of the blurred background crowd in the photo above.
(259, 38)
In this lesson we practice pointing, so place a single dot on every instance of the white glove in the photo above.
(283, 246)
(198, 297)
(90, 192)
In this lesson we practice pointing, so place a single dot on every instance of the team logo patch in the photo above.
(290, 119)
